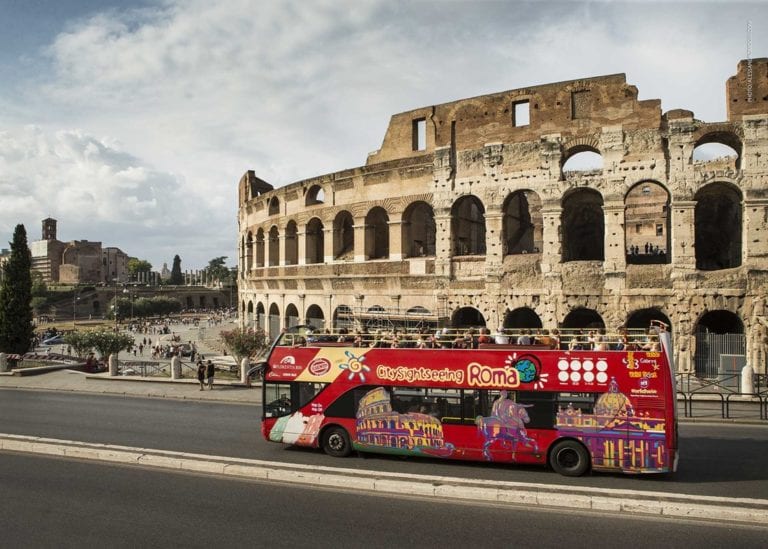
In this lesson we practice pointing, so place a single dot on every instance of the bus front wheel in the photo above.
(569, 458)
(336, 442)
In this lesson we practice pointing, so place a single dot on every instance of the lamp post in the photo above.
(115, 306)
(75, 299)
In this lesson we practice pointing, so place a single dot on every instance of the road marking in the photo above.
(744, 510)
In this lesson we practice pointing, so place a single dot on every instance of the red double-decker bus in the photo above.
(575, 410)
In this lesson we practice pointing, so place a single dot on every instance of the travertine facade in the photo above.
(469, 214)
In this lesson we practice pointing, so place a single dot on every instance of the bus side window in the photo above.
(542, 408)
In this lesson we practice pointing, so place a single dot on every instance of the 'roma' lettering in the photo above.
(485, 376)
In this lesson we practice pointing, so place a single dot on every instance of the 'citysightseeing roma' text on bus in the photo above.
(575, 410)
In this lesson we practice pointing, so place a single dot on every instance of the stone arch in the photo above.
(720, 341)
(274, 247)
(315, 241)
(377, 233)
(706, 149)
(274, 206)
(249, 318)
(419, 230)
(647, 222)
(261, 318)
(583, 226)
(273, 321)
(717, 225)
(315, 317)
(249, 252)
(640, 319)
(343, 317)
(291, 317)
(343, 236)
(467, 317)
(583, 318)
(315, 195)
(581, 155)
(522, 226)
(468, 226)
(522, 317)
(260, 248)
(291, 243)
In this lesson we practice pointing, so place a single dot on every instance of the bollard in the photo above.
(175, 368)
(3, 362)
(245, 365)
(747, 380)
(113, 365)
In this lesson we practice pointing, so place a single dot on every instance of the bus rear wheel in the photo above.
(569, 458)
(336, 442)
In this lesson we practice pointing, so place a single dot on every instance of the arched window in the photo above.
(314, 241)
(419, 230)
(273, 322)
(274, 206)
(291, 244)
(343, 237)
(718, 150)
(315, 317)
(646, 222)
(717, 221)
(582, 159)
(583, 226)
(261, 319)
(522, 228)
(260, 248)
(343, 318)
(291, 316)
(315, 195)
(274, 247)
(249, 319)
(468, 226)
(641, 319)
(249, 252)
(377, 234)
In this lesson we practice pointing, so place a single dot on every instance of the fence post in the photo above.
(747, 380)
(175, 368)
(245, 365)
(112, 365)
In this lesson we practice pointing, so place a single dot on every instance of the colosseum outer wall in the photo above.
(473, 212)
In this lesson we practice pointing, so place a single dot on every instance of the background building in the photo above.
(483, 212)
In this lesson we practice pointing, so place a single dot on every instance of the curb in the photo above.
(659, 504)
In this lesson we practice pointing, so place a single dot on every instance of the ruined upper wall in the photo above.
(572, 109)
(747, 90)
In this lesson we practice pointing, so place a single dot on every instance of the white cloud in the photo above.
(185, 96)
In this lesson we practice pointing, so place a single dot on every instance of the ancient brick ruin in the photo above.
(472, 213)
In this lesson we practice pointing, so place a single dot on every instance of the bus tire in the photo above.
(335, 442)
(569, 458)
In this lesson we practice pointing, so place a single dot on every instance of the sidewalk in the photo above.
(79, 382)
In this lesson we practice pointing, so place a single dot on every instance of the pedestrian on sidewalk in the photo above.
(211, 370)
(201, 374)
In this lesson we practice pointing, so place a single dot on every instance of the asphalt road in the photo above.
(63, 503)
(718, 459)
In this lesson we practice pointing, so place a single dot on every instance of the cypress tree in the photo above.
(176, 278)
(16, 328)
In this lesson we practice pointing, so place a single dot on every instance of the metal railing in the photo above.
(725, 390)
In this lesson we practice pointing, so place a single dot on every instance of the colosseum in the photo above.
(566, 205)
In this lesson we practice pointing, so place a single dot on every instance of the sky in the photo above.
(132, 121)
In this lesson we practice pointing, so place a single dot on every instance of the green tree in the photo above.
(107, 342)
(81, 342)
(39, 287)
(243, 343)
(176, 278)
(136, 266)
(16, 328)
(218, 271)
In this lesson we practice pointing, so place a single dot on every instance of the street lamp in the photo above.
(115, 305)
(75, 299)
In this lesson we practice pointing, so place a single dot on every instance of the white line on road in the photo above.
(634, 502)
